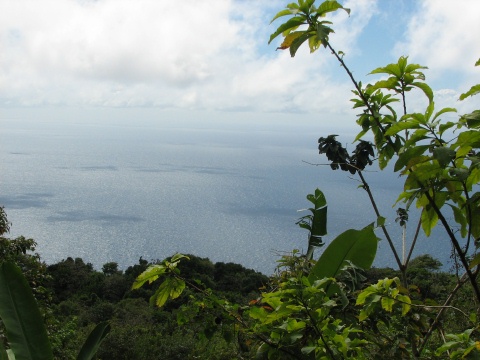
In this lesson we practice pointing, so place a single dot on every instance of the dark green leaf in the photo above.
(444, 155)
(93, 341)
(290, 24)
(22, 319)
(298, 41)
(405, 157)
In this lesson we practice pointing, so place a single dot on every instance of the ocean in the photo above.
(120, 189)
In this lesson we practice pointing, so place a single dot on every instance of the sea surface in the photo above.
(120, 189)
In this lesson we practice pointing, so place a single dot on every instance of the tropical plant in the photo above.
(324, 309)
(438, 159)
(26, 333)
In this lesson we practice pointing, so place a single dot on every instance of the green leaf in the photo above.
(475, 261)
(443, 111)
(444, 155)
(474, 90)
(429, 219)
(150, 275)
(298, 41)
(405, 157)
(19, 312)
(402, 125)
(290, 24)
(93, 341)
(3, 352)
(426, 89)
(284, 13)
(357, 246)
(387, 303)
(329, 6)
(170, 288)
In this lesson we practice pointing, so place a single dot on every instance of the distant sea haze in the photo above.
(121, 190)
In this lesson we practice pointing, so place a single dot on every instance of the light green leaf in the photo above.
(150, 275)
(426, 89)
(429, 219)
(402, 125)
(357, 246)
(19, 312)
(443, 111)
(170, 288)
(387, 303)
(284, 13)
(329, 6)
(474, 90)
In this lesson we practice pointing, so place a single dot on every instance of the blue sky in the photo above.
(58, 56)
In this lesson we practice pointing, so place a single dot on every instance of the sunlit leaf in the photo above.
(292, 23)
(356, 246)
(289, 39)
(474, 90)
(150, 275)
(329, 6)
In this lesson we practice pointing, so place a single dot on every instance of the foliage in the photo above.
(23, 322)
(437, 158)
(324, 309)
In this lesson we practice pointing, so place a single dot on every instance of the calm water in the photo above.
(120, 190)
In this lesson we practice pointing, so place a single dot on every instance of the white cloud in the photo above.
(208, 54)
(444, 36)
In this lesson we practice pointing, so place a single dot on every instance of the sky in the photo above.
(194, 56)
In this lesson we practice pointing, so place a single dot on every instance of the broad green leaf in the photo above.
(284, 13)
(329, 6)
(472, 120)
(475, 261)
(475, 223)
(405, 157)
(290, 24)
(3, 352)
(474, 90)
(406, 303)
(380, 221)
(150, 275)
(460, 219)
(443, 111)
(402, 125)
(178, 256)
(391, 69)
(429, 219)
(426, 89)
(287, 42)
(170, 288)
(444, 155)
(19, 312)
(298, 41)
(444, 127)
(387, 303)
(93, 341)
(357, 246)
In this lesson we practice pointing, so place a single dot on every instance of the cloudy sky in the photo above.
(212, 55)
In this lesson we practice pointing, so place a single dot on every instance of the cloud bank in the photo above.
(208, 54)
